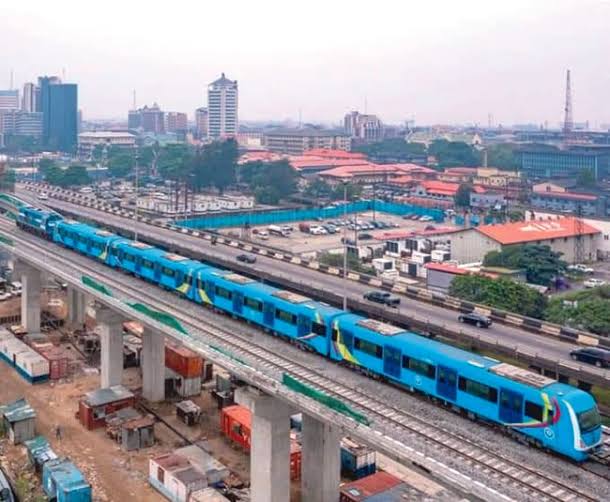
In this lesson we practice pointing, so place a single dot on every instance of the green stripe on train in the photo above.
(325, 399)
(157, 315)
(6, 240)
(98, 286)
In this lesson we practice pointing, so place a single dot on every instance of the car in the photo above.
(479, 320)
(591, 355)
(43, 196)
(246, 258)
(593, 283)
(581, 268)
(365, 237)
(382, 297)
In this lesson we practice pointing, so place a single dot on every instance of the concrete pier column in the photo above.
(110, 329)
(269, 446)
(152, 362)
(321, 461)
(30, 297)
(77, 306)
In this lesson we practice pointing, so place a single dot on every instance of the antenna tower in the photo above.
(134, 100)
(579, 242)
(568, 123)
(12, 79)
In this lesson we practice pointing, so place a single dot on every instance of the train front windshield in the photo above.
(589, 420)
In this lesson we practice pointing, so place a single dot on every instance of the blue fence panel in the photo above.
(291, 215)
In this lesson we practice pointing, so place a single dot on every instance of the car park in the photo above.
(593, 283)
(592, 355)
(382, 297)
(246, 258)
(479, 320)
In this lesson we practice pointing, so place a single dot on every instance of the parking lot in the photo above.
(304, 243)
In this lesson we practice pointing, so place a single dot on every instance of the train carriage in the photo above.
(85, 239)
(543, 411)
(38, 221)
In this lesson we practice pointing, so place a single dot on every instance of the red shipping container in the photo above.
(183, 361)
(59, 362)
(236, 424)
(366, 487)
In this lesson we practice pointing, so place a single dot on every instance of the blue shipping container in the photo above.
(62, 480)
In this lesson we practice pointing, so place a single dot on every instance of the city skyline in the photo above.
(449, 64)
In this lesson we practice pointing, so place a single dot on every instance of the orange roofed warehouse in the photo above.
(472, 244)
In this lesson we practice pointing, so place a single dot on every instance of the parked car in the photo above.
(382, 297)
(43, 196)
(582, 268)
(365, 237)
(246, 258)
(479, 320)
(591, 355)
(593, 283)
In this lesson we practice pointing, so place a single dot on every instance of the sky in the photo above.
(433, 61)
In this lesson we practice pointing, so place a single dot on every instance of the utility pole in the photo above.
(135, 213)
(345, 245)
(579, 230)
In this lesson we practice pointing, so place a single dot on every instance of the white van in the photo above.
(86, 190)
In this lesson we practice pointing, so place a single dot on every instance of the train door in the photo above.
(303, 326)
(138, 264)
(157, 271)
(446, 385)
(268, 313)
(238, 302)
(511, 406)
(209, 289)
(391, 361)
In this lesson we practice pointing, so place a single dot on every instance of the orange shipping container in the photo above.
(183, 361)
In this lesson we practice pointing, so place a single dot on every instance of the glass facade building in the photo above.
(564, 164)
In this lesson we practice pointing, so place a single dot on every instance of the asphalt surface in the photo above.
(533, 343)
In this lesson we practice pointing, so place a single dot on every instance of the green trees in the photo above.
(396, 148)
(500, 293)
(586, 178)
(462, 197)
(120, 161)
(503, 156)
(270, 181)
(72, 176)
(588, 310)
(540, 263)
(215, 165)
(454, 153)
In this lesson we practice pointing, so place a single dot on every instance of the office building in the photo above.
(552, 163)
(7, 121)
(201, 122)
(298, 141)
(59, 107)
(222, 108)
(28, 124)
(9, 100)
(176, 122)
(31, 94)
(88, 141)
(147, 119)
(362, 127)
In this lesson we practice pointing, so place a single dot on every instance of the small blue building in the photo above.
(62, 481)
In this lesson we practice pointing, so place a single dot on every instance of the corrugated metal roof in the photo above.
(239, 413)
(99, 397)
(370, 485)
(17, 411)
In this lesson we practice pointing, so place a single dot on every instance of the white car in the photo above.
(43, 196)
(593, 283)
(579, 267)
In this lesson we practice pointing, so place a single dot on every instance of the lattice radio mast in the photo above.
(568, 122)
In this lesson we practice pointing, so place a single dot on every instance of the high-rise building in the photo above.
(9, 100)
(222, 108)
(147, 119)
(176, 122)
(363, 127)
(28, 99)
(59, 107)
(201, 122)
(28, 124)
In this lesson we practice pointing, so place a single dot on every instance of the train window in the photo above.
(167, 271)
(253, 304)
(189, 280)
(128, 257)
(534, 411)
(445, 376)
(335, 334)
(148, 264)
(285, 316)
(318, 328)
(372, 349)
(223, 293)
(478, 389)
(422, 367)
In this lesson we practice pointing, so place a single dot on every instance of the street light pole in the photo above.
(135, 232)
(345, 245)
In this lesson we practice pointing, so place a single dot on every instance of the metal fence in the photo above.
(291, 215)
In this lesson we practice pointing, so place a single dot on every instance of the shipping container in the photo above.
(39, 452)
(181, 386)
(362, 489)
(63, 482)
(98, 404)
(174, 477)
(183, 361)
(357, 461)
(59, 362)
(32, 366)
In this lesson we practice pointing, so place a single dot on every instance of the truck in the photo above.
(304, 227)
(277, 230)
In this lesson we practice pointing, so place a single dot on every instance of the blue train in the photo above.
(537, 409)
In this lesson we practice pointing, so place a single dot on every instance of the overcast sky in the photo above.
(433, 61)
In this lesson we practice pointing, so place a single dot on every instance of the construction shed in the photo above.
(39, 452)
(375, 485)
(138, 433)
(199, 458)
(174, 477)
(18, 420)
(63, 482)
(98, 404)
(188, 412)
(208, 495)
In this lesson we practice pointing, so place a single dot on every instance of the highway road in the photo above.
(550, 347)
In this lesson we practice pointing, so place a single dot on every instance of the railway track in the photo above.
(481, 462)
